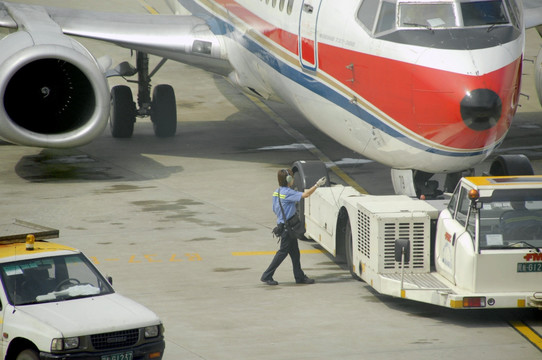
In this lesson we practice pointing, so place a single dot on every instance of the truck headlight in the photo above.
(60, 344)
(152, 331)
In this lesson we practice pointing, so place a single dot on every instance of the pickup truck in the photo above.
(55, 304)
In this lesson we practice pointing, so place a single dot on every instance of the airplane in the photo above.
(422, 86)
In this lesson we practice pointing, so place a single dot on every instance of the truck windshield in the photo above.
(49, 279)
(511, 219)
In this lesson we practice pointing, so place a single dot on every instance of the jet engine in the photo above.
(53, 92)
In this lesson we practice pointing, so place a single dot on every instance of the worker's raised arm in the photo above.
(310, 191)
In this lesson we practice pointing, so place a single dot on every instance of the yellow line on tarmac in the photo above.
(308, 145)
(528, 333)
(149, 8)
(254, 253)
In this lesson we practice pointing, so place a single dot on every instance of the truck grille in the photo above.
(413, 231)
(364, 231)
(378, 229)
(115, 339)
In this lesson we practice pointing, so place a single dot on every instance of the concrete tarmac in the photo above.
(183, 225)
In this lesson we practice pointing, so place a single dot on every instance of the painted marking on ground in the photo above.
(256, 253)
(150, 258)
(147, 7)
(528, 333)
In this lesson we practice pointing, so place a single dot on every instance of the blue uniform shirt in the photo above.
(288, 198)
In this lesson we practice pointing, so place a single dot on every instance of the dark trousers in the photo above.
(288, 246)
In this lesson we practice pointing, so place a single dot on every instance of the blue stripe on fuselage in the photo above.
(221, 27)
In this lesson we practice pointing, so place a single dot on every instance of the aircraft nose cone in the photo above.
(481, 109)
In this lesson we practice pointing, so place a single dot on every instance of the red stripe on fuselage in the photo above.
(424, 100)
(281, 37)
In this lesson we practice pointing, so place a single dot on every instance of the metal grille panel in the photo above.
(413, 231)
(364, 232)
(115, 339)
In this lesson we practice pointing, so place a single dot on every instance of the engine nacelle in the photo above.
(52, 91)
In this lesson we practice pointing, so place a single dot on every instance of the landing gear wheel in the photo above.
(306, 173)
(122, 116)
(164, 111)
(28, 354)
(349, 250)
(506, 165)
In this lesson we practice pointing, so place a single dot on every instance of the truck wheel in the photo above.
(306, 173)
(28, 354)
(349, 250)
(505, 165)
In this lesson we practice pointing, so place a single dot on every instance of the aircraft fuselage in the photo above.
(427, 85)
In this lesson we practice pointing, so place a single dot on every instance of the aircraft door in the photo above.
(308, 47)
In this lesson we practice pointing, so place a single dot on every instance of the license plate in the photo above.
(119, 356)
(529, 267)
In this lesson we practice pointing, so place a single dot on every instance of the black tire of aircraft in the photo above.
(510, 165)
(164, 111)
(122, 113)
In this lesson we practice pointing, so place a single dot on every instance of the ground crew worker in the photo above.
(288, 241)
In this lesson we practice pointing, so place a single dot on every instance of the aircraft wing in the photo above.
(53, 92)
(187, 39)
(532, 13)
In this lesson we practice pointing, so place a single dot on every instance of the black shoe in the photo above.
(270, 282)
(305, 280)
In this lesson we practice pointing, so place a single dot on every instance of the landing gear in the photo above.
(162, 109)
(506, 165)
(123, 112)
(416, 183)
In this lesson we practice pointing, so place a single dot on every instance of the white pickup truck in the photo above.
(480, 248)
(56, 305)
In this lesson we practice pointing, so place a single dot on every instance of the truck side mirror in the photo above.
(110, 280)
(402, 246)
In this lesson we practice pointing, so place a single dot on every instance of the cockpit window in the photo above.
(513, 11)
(367, 13)
(427, 15)
(386, 17)
(477, 13)
(382, 17)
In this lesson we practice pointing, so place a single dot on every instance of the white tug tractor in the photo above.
(479, 247)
